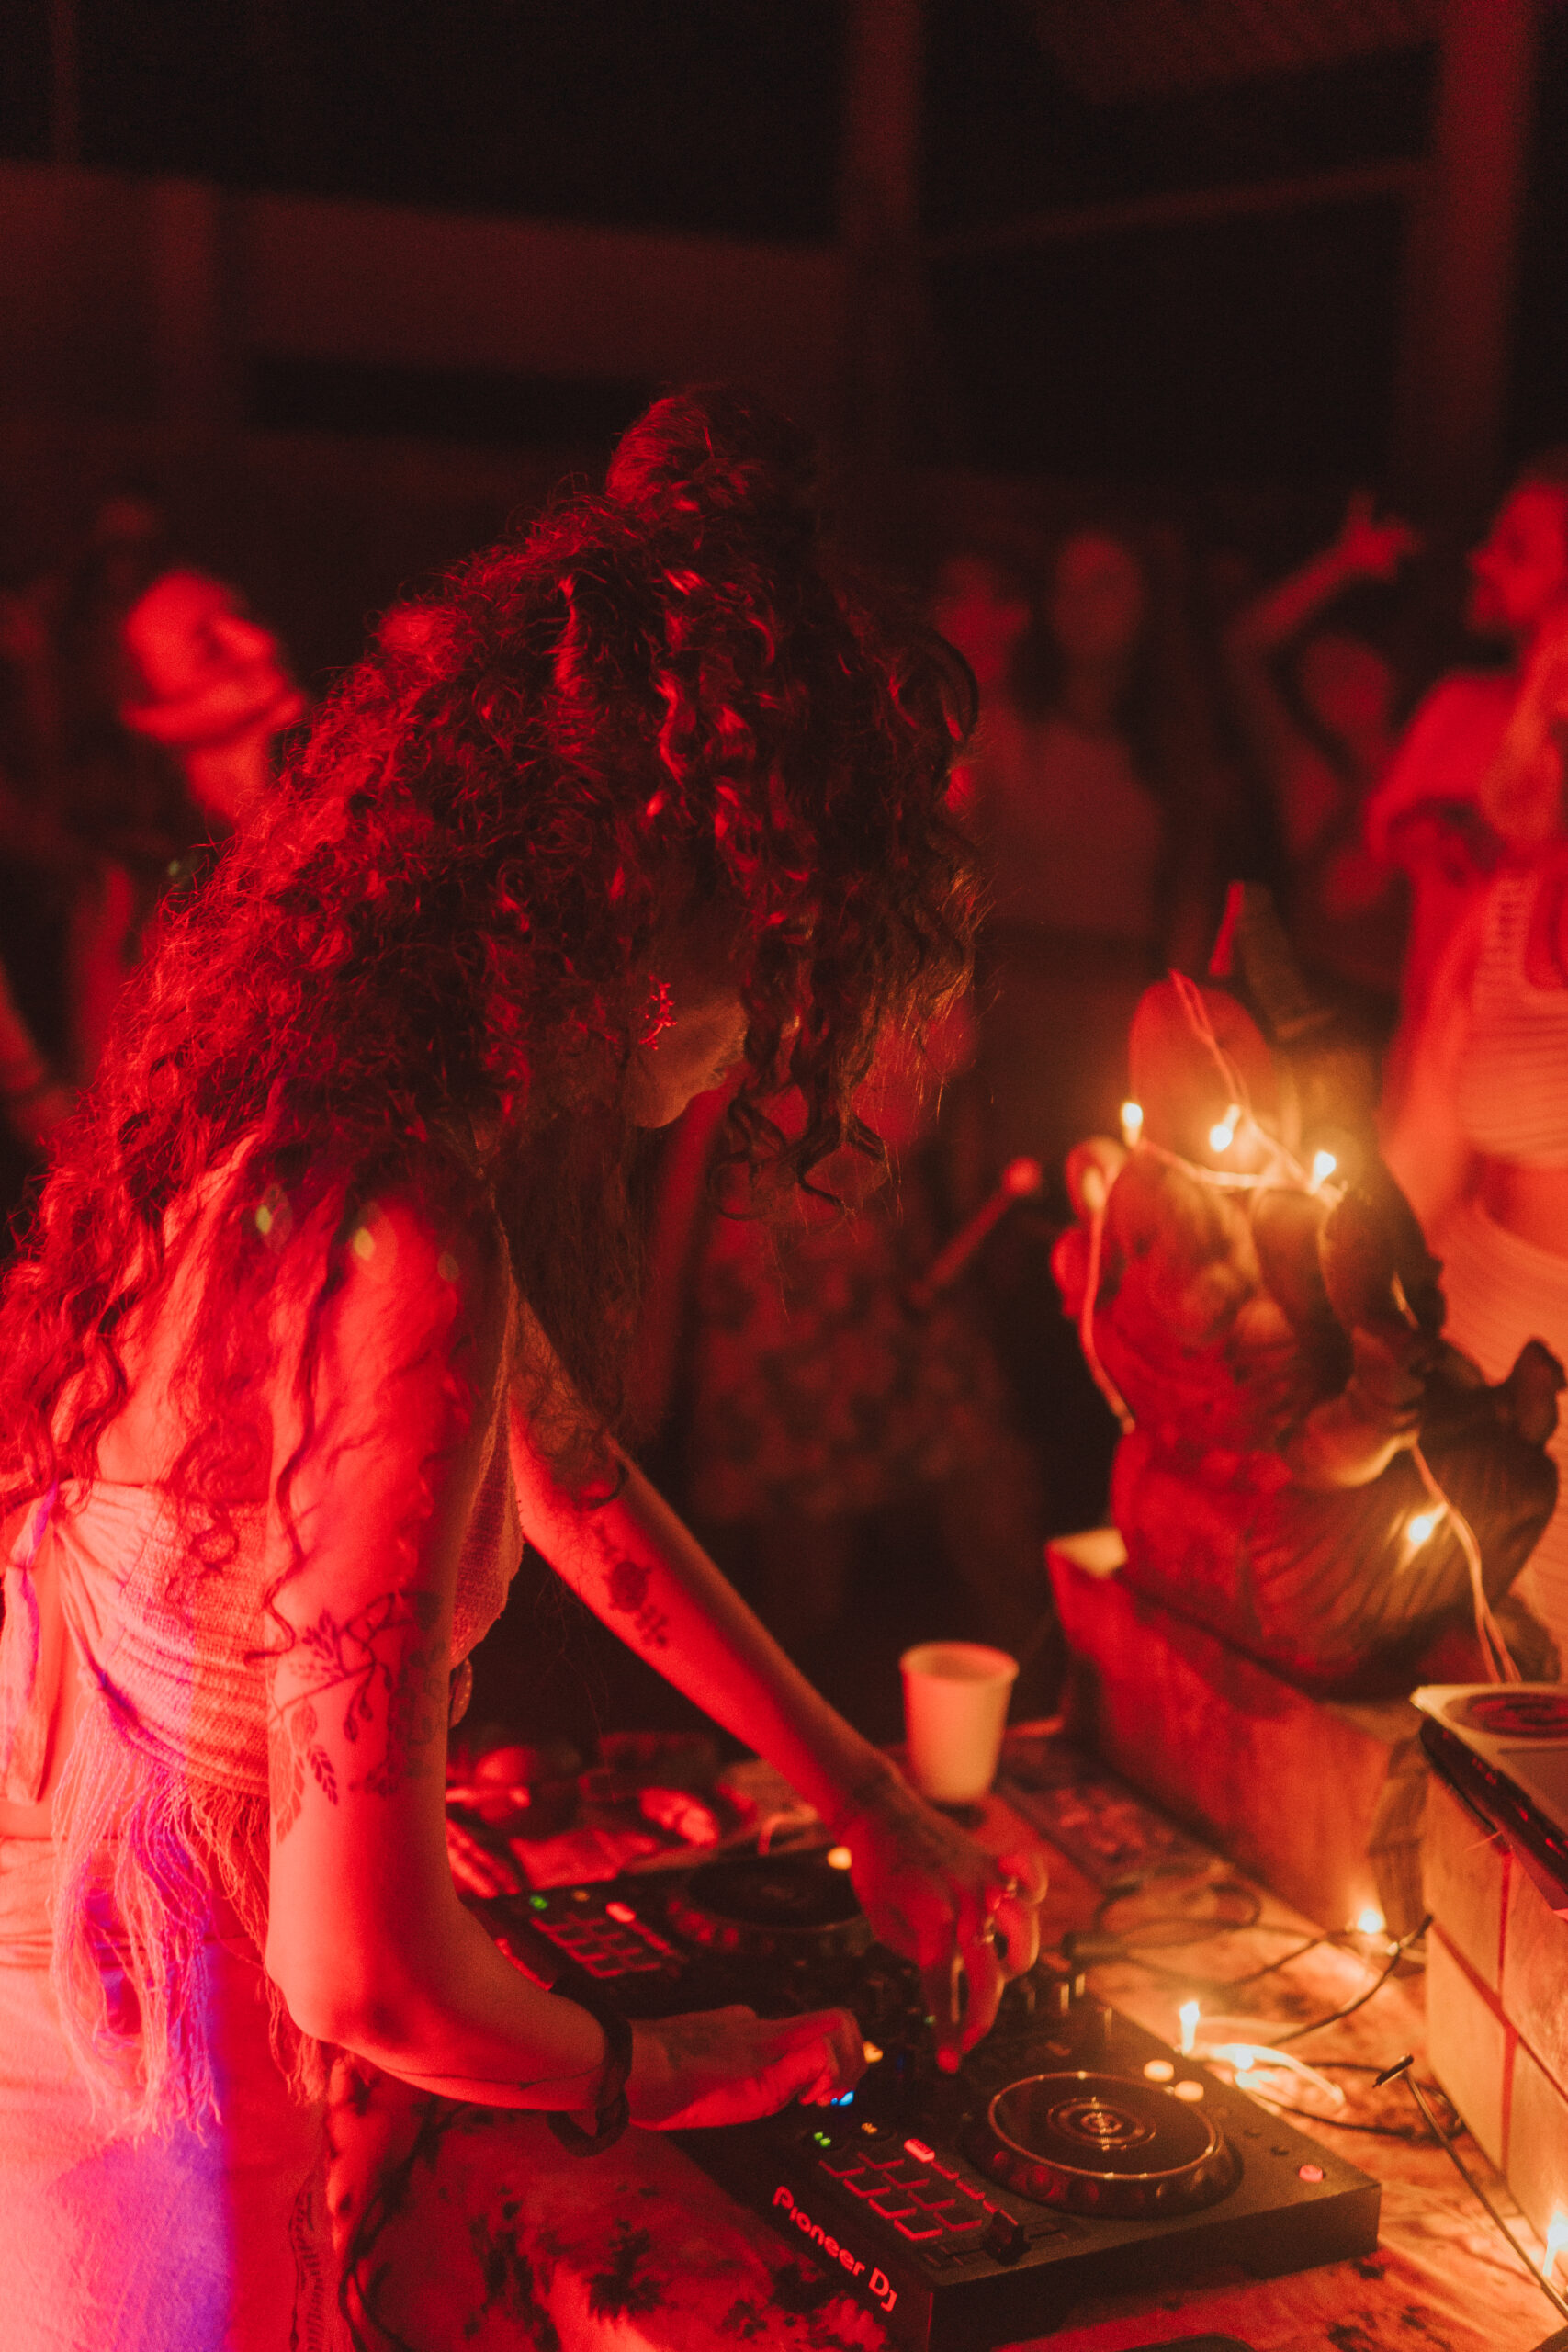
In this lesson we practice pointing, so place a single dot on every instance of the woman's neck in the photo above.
(229, 781)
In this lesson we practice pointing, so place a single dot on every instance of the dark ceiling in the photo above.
(1257, 340)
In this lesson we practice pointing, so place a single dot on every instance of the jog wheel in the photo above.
(782, 1906)
(1099, 2143)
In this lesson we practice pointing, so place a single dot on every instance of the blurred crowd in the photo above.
(864, 1447)
(139, 702)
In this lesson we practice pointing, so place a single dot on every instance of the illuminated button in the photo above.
(959, 2228)
(908, 2176)
(621, 1911)
(841, 2165)
(538, 1903)
(1190, 2092)
(920, 2227)
(863, 2184)
(918, 2150)
(1159, 2069)
(1309, 2172)
(893, 2203)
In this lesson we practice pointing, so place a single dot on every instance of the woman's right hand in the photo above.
(730, 2066)
(1371, 547)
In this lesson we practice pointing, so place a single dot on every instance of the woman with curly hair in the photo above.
(325, 1308)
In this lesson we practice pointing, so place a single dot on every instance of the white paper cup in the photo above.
(955, 1705)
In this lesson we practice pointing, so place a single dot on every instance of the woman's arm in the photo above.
(367, 1938)
(1365, 548)
(928, 1890)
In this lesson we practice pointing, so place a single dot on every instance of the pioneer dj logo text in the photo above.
(878, 2284)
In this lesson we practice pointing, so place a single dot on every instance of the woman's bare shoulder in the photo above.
(320, 1293)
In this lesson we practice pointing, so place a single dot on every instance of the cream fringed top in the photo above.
(161, 1815)
(1511, 1090)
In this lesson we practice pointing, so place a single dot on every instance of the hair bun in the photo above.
(710, 450)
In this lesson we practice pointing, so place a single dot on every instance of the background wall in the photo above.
(349, 284)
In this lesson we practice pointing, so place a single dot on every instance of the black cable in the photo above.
(1452, 2130)
(1316, 2024)
(1402, 2073)
(1217, 1887)
(1114, 1946)
(1216, 1984)
(1341, 2124)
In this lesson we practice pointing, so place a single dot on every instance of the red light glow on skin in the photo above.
(1519, 572)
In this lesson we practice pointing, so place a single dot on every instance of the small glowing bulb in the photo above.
(1188, 2013)
(1132, 1123)
(839, 1858)
(1370, 1921)
(1323, 1167)
(1222, 1135)
(1556, 2240)
(872, 2053)
(1420, 1527)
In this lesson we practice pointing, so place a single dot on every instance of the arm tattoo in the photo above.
(387, 1649)
(629, 1581)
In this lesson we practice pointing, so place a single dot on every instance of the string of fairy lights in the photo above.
(1277, 1168)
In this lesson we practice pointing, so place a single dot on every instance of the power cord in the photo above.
(1401, 2072)
(1101, 1942)
(1298, 2032)
(1406, 2135)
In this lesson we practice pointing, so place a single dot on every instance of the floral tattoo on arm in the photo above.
(388, 1651)
(629, 1583)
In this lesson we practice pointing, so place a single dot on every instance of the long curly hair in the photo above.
(663, 737)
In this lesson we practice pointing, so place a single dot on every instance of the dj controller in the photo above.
(1072, 2154)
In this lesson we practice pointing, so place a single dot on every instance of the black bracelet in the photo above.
(612, 2109)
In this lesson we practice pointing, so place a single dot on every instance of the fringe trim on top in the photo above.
(24, 1729)
(143, 1855)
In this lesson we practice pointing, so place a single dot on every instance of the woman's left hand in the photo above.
(966, 1918)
